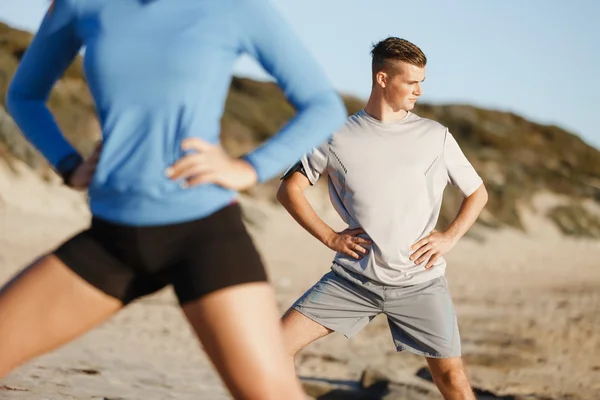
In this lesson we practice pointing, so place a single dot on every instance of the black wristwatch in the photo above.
(67, 166)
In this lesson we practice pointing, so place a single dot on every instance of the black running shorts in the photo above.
(196, 257)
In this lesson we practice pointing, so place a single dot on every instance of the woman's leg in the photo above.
(240, 331)
(44, 307)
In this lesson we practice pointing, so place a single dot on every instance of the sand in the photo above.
(528, 304)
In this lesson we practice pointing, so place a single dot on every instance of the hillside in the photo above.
(516, 157)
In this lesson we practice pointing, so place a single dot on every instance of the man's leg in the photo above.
(299, 331)
(332, 304)
(423, 321)
(450, 377)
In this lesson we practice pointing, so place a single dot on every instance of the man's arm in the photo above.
(292, 198)
(437, 244)
(469, 211)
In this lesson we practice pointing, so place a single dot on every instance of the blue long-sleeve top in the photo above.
(159, 71)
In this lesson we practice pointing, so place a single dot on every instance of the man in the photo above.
(387, 171)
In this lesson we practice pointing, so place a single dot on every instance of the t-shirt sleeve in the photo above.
(312, 164)
(460, 171)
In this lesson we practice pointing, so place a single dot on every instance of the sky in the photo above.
(536, 58)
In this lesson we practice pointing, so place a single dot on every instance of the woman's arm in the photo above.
(320, 111)
(50, 53)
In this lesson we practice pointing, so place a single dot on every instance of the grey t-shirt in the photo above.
(388, 178)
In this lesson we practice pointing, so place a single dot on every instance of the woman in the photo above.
(162, 191)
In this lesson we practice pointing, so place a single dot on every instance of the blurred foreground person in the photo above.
(162, 190)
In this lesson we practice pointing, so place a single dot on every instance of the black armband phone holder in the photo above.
(298, 167)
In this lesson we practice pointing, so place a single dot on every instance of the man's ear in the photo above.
(382, 78)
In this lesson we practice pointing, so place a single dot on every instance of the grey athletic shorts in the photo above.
(421, 317)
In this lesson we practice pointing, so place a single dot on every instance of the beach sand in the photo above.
(528, 305)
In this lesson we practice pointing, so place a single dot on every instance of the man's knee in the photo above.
(292, 349)
(455, 378)
(449, 374)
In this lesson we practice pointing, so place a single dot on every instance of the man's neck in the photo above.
(379, 109)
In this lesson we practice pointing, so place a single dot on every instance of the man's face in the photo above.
(402, 85)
